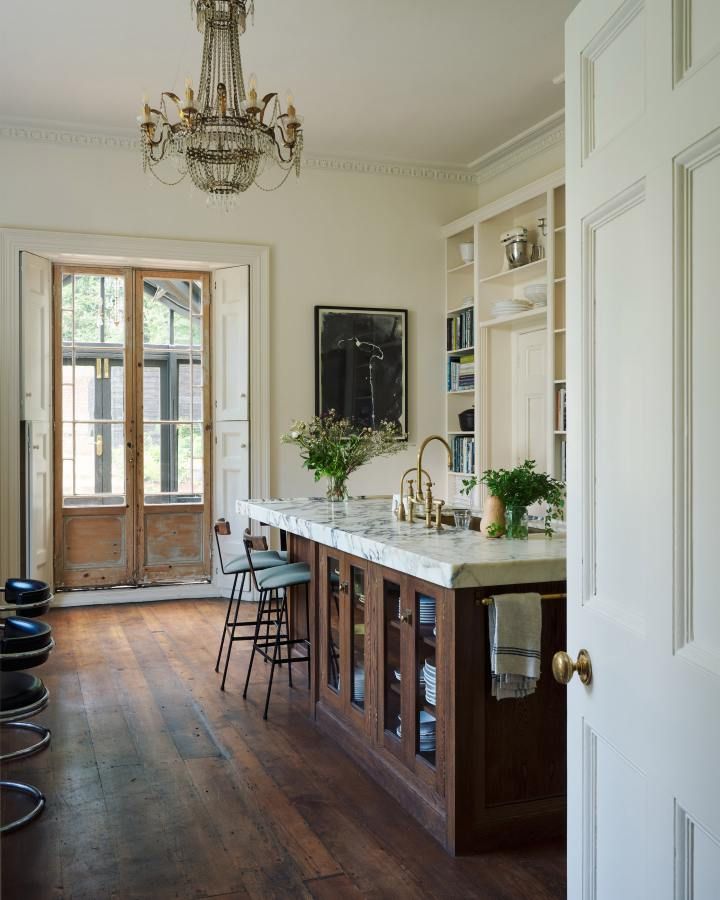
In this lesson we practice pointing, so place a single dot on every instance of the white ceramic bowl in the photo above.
(536, 293)
(467, 251)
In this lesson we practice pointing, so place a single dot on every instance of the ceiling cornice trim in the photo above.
(535, 140)
(67, 135)
(540, 137)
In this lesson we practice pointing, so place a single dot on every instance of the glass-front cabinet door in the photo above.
(392, 667)
(344, 604)
(357, 637)
(428, 666)
(412, 679)
(331, 650)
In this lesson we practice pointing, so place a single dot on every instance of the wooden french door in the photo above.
(132, 418)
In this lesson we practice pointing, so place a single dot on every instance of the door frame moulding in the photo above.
(90, 249)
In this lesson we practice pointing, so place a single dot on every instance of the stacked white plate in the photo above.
(430, 675)
(536, 294)
(509, 307)
(427, 610)
(359, 686)
(426, 737)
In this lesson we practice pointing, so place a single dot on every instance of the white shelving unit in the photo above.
(501, 435)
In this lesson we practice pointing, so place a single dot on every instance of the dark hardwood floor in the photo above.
(161, 786)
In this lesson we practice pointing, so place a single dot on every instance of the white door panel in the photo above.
(36, 319)
(36, 405)
(232, 482)
(530, 397)
(643, 189)
(231, 305)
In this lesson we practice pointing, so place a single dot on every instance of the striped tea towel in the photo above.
(515, 625)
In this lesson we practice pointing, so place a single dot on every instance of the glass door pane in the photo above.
(357, 635)
(173, 413)
(332, 612)
(392, 661)
(426, 677)
(92, 395)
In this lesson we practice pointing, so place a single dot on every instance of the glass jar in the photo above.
(516, 523)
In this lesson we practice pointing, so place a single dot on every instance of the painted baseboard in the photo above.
(108, 596)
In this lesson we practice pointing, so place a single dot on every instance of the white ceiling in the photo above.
(435, 81)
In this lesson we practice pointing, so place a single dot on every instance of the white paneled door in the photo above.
(643, 318)
(36, 414)
(231, 324)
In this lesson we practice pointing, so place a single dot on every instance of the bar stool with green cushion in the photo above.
(238, 566)
(272, 585)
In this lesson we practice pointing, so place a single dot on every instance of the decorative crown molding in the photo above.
(535, 140)
(379, 167)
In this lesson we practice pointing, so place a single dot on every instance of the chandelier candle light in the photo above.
(225, 139)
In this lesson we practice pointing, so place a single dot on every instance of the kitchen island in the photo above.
(400, 671)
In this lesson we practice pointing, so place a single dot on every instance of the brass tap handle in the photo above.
(438, 504)
(428, 504)
(411, 489)
(563, 667)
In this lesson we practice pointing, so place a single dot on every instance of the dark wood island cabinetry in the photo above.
(400, 678)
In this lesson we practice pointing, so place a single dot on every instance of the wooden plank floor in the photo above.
(161, 786)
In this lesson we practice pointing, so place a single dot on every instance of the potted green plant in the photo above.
(517, 489)
(334, 448)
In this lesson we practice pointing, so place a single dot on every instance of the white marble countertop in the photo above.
(450, 558)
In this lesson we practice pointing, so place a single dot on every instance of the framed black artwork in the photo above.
(361, 364)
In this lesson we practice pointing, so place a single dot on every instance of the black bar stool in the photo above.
(238, 566)
(272, 586)
(25, 643)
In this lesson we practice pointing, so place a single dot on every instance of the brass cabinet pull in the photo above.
(563, 667)
(98, 445)
(406, 616)
(107, 368)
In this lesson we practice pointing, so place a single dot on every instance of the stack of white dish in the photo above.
(426, 726)
(430, 675)
(359, 686)
(536, 294)
(427, 732)
(427, 610)
(509, 307)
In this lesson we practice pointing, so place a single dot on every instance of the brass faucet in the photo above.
(419, 496)
(401, 507)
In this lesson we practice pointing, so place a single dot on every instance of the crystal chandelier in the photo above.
(225, 139)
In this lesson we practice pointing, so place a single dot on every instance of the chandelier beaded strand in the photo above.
(225, 139)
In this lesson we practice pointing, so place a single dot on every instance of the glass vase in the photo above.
(516, 523)
(337, 488)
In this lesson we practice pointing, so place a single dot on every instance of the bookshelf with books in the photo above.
(491, 321)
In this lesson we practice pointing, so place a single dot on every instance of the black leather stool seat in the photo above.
(34, 596)
(25, 643)
(19, 690)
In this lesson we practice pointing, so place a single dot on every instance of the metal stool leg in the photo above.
(227, 617)
(261, 606)
(284, 617)
(29, 791)
(33, 748)
(307, 628)
(276, 653)
(231, 641)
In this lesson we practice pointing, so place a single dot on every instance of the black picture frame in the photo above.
(351, 377)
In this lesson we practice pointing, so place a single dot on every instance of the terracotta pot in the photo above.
(493, 518)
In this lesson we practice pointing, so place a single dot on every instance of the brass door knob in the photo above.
(563, 667)
(406, 616)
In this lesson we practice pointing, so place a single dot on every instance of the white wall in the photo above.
(336, 238)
